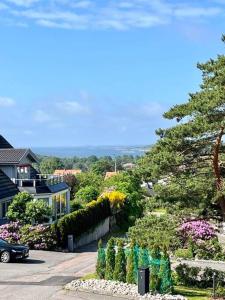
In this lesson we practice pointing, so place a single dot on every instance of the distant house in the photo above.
(17, 174)
(67, 172)
(110, 174)
(129, 166)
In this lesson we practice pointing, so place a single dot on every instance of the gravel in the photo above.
(116, 288)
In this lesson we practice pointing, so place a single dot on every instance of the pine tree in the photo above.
(188, 156)
(100, 267)
(130, 277)
(120, 264)
(110, 259)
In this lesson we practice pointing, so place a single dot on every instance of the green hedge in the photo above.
(82, 220)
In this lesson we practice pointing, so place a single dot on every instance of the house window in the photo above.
(3, 209)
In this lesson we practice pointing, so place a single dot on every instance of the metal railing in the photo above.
(44, 179)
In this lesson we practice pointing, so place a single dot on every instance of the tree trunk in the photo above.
(217, 171)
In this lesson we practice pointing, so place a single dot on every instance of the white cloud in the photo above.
(118, 15)
(42, 116)
(25, 3)
(74, 107)
(197, 11)
(6, 102)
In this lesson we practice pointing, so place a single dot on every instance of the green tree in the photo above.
(37, 212)
(89, 179)
(143, 258)
(72, 182)
(188, 155)
(100, 267)
(87, 194)
(165, 273)
(49, 164)
(102, 166)
(110, 259)
(131, 276)
(120, 264)
(17, 209)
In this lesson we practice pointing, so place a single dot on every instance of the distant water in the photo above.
(91, 150)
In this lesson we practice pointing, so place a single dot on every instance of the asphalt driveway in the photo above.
(44, 274)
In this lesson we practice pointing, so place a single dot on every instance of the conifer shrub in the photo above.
(120, 264)
(131, 274)
(143, 259)
(110, 259)
(165, 273)
(100, 267)
(155, 266)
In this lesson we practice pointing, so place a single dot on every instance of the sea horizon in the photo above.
(85, 151)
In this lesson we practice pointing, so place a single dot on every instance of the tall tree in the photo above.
(189, 153)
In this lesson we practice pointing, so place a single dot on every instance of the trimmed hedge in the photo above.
(82, 220)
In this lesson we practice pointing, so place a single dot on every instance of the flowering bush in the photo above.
(197, 230)
(38, 237)
(10, 232)
(116, 199)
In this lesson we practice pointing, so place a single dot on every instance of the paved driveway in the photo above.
(44, 274)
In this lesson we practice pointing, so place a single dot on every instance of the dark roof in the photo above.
(14, 156)
(7, 187)
(4, 144)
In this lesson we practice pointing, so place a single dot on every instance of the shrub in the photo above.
(165, 273)
(116, 199)
(16, 210)
(110, 259)
(37, 212)
(131, 276)
(82, 220)
(194, 276)
(143, 260)
(152, 230)
(100, 267)
(75, 205)
(184, 253)
(87, 194)
(38, 237)
(154, 274)
(197, 230)
(10, 232)
(120, 264)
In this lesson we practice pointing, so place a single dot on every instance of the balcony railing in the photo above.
(43, 180)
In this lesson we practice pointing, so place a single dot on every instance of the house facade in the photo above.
(17, 174)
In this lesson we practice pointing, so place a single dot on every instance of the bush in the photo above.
(84, 219)
(155, 267)
(38, 237)
(197, 230)
(195, 277)
(184, 253)
(87, 194)
(131, 276)
(153, 230)
(75, 205)
(120, 264)
(10, 232)
(37, 212)
(110, 259)
(17, 209)
(100, 267)
(116, 199)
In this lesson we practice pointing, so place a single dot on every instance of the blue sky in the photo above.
(79, 72)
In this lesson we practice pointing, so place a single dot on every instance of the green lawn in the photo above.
(193, 293)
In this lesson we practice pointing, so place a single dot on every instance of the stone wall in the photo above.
(93, 234)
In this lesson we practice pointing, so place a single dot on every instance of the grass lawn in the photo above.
(194, 293)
